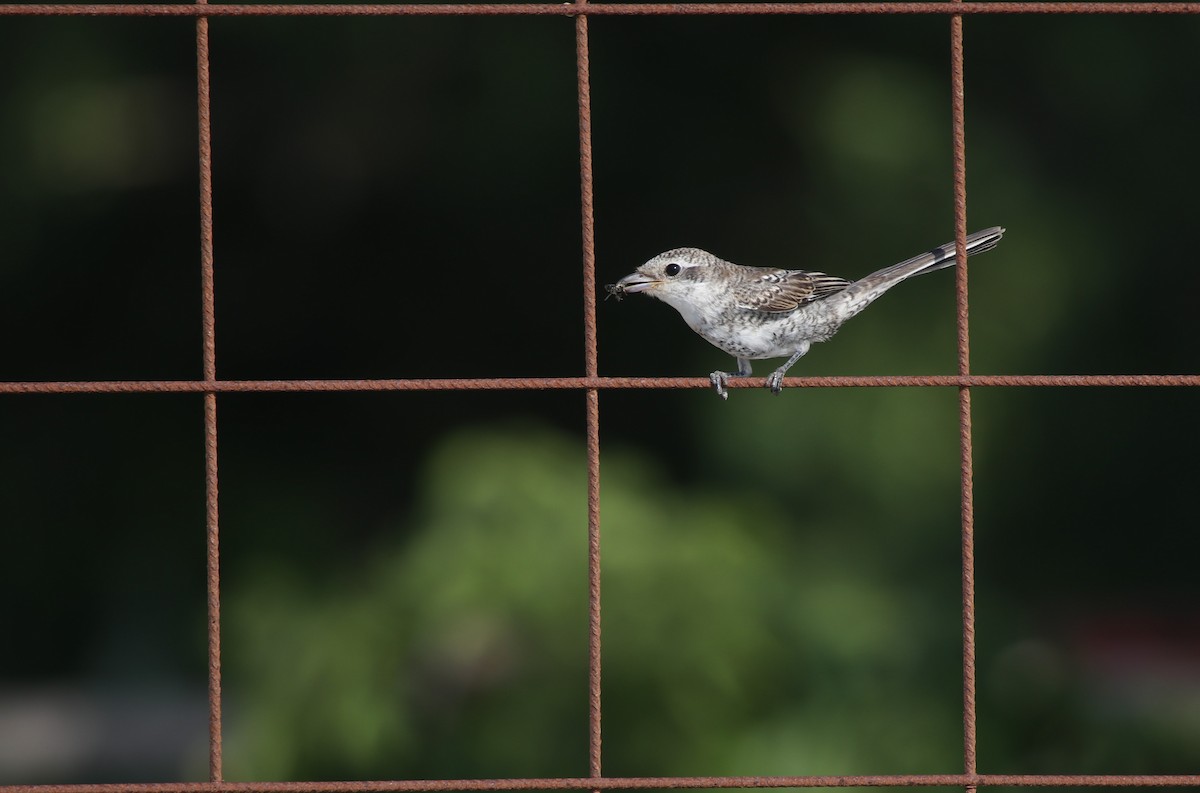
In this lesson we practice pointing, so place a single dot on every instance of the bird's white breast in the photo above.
(698, 307)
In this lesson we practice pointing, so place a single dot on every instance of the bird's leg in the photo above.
(719, 379)
(775, 379)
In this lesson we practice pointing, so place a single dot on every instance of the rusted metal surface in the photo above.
(584, 91)
(600, 9)
(634, 783)
(209, 364)
(958, 129)
(602, 383)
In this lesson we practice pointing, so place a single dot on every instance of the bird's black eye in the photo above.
(672, 269)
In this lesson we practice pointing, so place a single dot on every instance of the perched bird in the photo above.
(754, 313)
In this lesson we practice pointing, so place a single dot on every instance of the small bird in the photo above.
(754, 313)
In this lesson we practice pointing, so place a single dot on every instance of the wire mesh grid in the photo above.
(592, 383)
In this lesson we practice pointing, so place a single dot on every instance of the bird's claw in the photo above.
(775, 382)
(718, 380)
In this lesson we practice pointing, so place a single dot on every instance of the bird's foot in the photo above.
(775, 381)
(719, 379)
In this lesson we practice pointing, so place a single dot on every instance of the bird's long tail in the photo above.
(940, 257)
(863, 292)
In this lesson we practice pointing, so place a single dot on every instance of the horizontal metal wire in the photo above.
(600, 9)
(577, 383)
(635, 783)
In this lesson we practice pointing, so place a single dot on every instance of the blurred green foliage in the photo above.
(404, 575)
(731, 643)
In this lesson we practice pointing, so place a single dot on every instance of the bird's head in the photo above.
(673, 277)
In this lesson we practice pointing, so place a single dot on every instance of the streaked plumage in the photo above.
(754, 313)
(779, 291)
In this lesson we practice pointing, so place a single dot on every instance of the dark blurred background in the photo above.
(404, 585)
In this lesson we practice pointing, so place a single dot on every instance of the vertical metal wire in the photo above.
(958, 113)
(215, 771)
(583, 67)
(208, 311)
(594, 670)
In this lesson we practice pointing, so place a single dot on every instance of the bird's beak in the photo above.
(634, 283)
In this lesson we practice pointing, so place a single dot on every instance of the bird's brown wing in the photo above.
(780, 291)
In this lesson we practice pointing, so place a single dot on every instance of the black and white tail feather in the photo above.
(861, 293)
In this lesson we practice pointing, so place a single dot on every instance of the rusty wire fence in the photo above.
(591, 383)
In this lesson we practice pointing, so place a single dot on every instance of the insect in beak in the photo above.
(614, 290)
